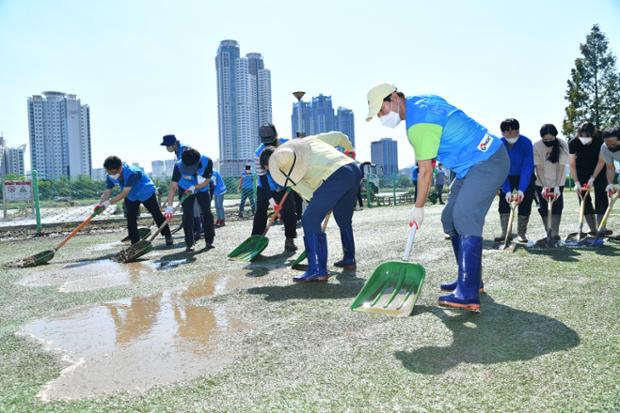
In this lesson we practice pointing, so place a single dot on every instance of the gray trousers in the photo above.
(471, 197)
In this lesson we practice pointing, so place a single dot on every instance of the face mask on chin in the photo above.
(586, 141)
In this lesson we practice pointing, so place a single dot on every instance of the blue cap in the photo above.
(169, 140)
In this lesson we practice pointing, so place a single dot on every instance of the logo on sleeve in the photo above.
(485, 143)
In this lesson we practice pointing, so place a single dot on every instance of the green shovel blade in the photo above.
(250, 248)
(392, 289)
(134, 252)
(35, 260)
(299, 259)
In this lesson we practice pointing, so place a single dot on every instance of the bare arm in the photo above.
(559, 177)
(105, 196)
(541, 176)
(425, 180)
(611, 173)
(120, 196)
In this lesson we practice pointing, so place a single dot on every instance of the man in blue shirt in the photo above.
(520, 179)
(436, 129)
(136, 188)
(267, 189)
(246, 187)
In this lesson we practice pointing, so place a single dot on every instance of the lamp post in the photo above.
(299, 95)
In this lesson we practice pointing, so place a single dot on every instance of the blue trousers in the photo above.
(338, 193)
(471, 197)
(219, 207)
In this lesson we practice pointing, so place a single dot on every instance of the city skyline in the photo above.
(318, 115)
(154, 73)
(384, 152)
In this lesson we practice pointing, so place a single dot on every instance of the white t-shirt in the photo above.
(608, 155)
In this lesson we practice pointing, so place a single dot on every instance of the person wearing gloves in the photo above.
(520, 178)
(610, 153)
(219, 189)
(136, 188)
(436, 129)
(192, 175)
(268, 189)
(326, 178)
(550, 158)
(584, 157)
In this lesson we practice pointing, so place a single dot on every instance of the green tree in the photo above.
(593, 92)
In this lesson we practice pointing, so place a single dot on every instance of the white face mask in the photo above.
(391, 120)
(512, 140)
(586, 141)
(115, 176)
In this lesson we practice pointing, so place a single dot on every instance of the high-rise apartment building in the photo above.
(59, 128)
(318, 116)
(384, 152)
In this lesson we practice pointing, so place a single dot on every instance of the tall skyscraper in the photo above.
(59, 127)
(158, 169)
(385, 153)
(345, 123)
(11, 159)
(318, 116)
(244, 103)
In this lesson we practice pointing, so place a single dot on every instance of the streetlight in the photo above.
(299, 95)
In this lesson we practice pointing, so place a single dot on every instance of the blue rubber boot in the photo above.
(348, 249)
(316, 248)
(466, 296)
(456, 239)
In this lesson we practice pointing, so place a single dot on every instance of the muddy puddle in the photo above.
(140, 342)
(89, 275)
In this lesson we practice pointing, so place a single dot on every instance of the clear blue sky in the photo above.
(147, 68)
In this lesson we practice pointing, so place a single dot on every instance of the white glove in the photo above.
(556, 192)
(201, 179)
(416, 216)
(509, 197)
(105, 203)
(577, 187)
(520, 196)
(590, 183)
(168, 212)
(191, 189)
(611, 188)
(546, 192)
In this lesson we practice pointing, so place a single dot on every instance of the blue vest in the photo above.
(220, 185)
(247, 180)
(188, 180)
(142, 190)
(180, 149)
(272, 184)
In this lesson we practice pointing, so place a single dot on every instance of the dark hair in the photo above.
(611, 133)
(509, 124)
(548, 129)
(112, 162)
(587, 128)
(388, 98)
(265, 155)
(190, 156)
(248, 167)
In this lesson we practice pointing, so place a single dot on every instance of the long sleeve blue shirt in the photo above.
(521, 163)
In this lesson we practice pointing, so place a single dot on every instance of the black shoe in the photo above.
(169, 242)
(189, 248)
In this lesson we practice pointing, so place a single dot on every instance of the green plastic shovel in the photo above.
(253, 246)
(47, 255)
(394, 287)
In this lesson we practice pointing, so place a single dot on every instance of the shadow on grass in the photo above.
(347, 287)
(498, 334)
(562, 254)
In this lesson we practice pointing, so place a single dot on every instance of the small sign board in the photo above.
(17, 191)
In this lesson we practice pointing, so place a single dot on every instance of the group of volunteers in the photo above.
(322, 172)
(538, 172)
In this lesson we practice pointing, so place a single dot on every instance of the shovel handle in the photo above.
(326, 220)
(166, 221)
(78, 229)
(601, 225)
(276, 211)
(410, 239)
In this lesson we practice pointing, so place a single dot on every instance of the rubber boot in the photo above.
(604, 230)
(455, 247)
(591, 221)
(316, 248)
(466, 296)
(522, 221)
(348, 249)
(289, 244)
(555, 227)
(503, 219)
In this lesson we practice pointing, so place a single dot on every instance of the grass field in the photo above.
(201, 333)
